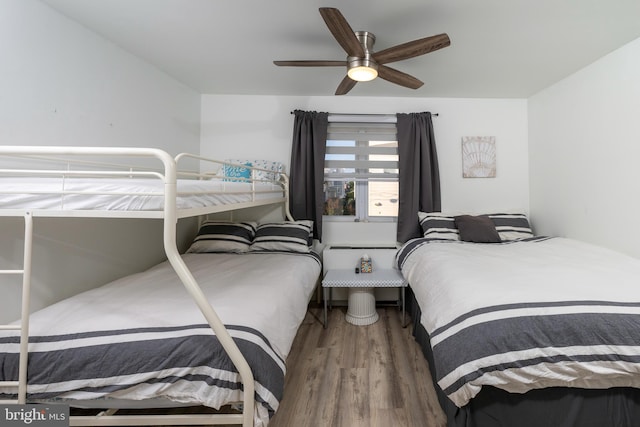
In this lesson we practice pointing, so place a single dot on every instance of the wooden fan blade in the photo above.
(412, 49)
(398, 77)
(311, 63)
(342, 31)
(345, 85)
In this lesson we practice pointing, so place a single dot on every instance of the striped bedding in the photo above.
(142, 338)
(529, 314)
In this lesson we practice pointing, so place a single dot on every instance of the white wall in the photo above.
(61, 84)
(584, 147)
(261, 127)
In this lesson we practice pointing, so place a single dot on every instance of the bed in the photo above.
(211, 327)
(67, 180)
(525, 330)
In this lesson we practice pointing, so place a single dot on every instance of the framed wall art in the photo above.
(478, 156)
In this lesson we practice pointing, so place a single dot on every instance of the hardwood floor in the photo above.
(352, 376)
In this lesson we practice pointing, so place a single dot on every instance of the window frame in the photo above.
(374, 130)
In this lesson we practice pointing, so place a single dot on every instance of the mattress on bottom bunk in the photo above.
(524, 315)
(122, 194)
(142, 338)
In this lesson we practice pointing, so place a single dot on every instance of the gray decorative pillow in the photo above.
(223, 236)
(289, 236)
(477, 229)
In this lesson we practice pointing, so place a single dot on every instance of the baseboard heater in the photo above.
(362, 247)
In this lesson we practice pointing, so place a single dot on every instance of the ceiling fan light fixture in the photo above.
(362, 73)
(362, 69)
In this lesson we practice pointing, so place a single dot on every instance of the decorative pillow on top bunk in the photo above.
(236, 173)
(224, 236)
(288, 236)
(272, 169)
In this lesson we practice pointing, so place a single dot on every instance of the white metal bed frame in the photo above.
(170, 215)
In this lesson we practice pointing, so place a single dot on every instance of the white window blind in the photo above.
(361, 151)
(361, 168)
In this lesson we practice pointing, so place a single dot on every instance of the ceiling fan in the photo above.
(363, 64)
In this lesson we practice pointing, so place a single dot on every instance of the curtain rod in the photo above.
(365, 114)
(363, 118)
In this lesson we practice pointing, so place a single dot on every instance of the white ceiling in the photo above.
(499, 48)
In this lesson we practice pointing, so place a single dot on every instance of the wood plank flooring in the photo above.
(352, 376)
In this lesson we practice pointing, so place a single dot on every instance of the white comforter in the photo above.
(125, 194)
(149, 321)
(524, 315)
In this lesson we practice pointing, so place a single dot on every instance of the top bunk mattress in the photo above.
(124, 194)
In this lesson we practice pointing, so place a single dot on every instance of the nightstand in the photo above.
(362, 302)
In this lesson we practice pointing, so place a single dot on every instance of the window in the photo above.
(361, 171)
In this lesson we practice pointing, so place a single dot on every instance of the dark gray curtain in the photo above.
(306, 196)
(419, 177)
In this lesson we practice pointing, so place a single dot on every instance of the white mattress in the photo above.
(125, 194)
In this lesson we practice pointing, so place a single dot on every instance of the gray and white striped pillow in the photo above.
(512, 226)
(289, 236)
(223, 236)
(436, 225)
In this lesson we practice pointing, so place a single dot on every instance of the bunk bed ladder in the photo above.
(23, 327)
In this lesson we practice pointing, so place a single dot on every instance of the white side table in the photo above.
(362, 302)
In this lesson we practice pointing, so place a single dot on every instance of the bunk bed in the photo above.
(521, 329)
(124, 345)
